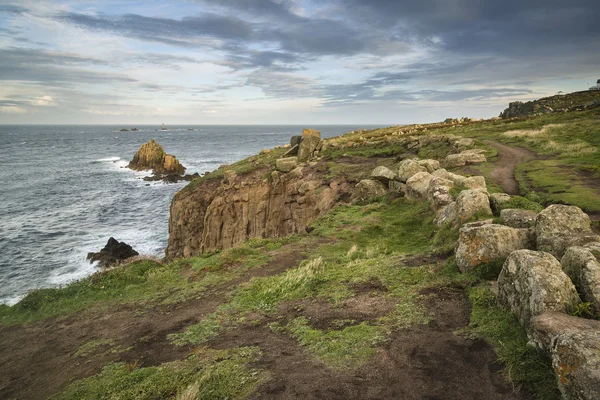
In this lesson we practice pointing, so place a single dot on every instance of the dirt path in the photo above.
(508, 159)
(37, 360)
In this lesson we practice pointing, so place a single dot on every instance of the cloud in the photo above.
(43, 101)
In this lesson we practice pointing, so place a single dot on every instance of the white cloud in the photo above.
(43, 101)
(209, 111)
(12, 110)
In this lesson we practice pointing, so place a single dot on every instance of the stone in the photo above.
(518, 218)
(296, 173)
(311, 139)
(396, 187)
(533, 282)
(112, 254)
(295, 140)
(559, 227)
(458, 180)
(409, 167)
(430, 165)
(438, 193)
(574, 347)
(286, 164)
(383, 174)
(487, 243)
(471, 203)
(417, 186)
(463, 144)
(583, 268)
(474, 156)
(368, 189)
(475, 182)
(171, 165)
(454, 160)
(497, 200)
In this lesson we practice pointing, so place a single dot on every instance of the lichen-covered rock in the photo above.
(369, 189)
(383, 174)
(417, 186)
(311, 139)
(488, 243)
(409, 167)
(471, 203)
(584, 270)
(574, 346)
(559, 227)
(396, 187)
(438, 193)
(475, 182)
(171, 165)
(458, 180)
(430, 165)
(497, 200)
(464, 144)
(518, 218)
(454, 160)
(533, 282)
(286, 164)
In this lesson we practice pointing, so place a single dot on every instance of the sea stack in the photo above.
(151, 156)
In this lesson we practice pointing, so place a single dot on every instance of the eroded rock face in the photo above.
(488, 243)
(583, 268)
(559, 227)
(517, 218)
(215, 216)
(408, 168)
(112, 254)
(574, 346)
(533, 282)
(383, 174)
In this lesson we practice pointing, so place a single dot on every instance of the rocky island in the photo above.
(152, 157)
(451, 260)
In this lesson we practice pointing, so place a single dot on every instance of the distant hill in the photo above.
(560, 103)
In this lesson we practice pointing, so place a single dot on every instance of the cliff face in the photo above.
(219, 214)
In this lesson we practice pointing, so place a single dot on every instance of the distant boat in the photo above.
(163, 127)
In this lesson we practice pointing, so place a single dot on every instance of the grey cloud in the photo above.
(12, 9)
(283, 85)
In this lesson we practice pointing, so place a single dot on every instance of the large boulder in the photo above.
(311, 139)
(171, 165)
(409, 167)
(368, 189)
(430, 165)
(112, 254)
(559, 227)
(574, 346)
(533, 282)
(417, 186)
(383, 174)
(583, 268)
(471, 203)
(488, 243)
(518, 218)
(286, 164)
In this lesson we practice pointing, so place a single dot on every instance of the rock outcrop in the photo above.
(309, 145)
(480, 245)
(215, 215)
(533, 282)
(152, 157)
(112, 254)
(559, 227)
(418, 185)
(408, 168)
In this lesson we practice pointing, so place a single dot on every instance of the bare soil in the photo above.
(508, 159)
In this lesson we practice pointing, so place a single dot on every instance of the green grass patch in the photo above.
(525, 366)
(98, 347)
(210, 374)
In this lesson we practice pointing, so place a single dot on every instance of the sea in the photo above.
(64, 190)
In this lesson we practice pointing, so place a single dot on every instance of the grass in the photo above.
(525, 366)
(216, 374)
(98, 346)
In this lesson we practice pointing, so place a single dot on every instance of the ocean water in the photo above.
(64, 190)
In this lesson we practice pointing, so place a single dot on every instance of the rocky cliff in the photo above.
(577, 101)
(217, 214)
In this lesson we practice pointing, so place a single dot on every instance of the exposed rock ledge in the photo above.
(219, 214)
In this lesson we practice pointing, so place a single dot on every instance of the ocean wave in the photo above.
(107, 159)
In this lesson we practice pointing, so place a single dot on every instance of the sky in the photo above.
(288, 61)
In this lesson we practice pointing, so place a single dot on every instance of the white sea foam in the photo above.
(108, 159)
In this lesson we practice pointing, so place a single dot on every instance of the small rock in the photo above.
(430, 165)
(229, 176)
(475, 182)
(383, 174)
(286, 164)
(397, 187)
(518, 218)
(533, 282)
